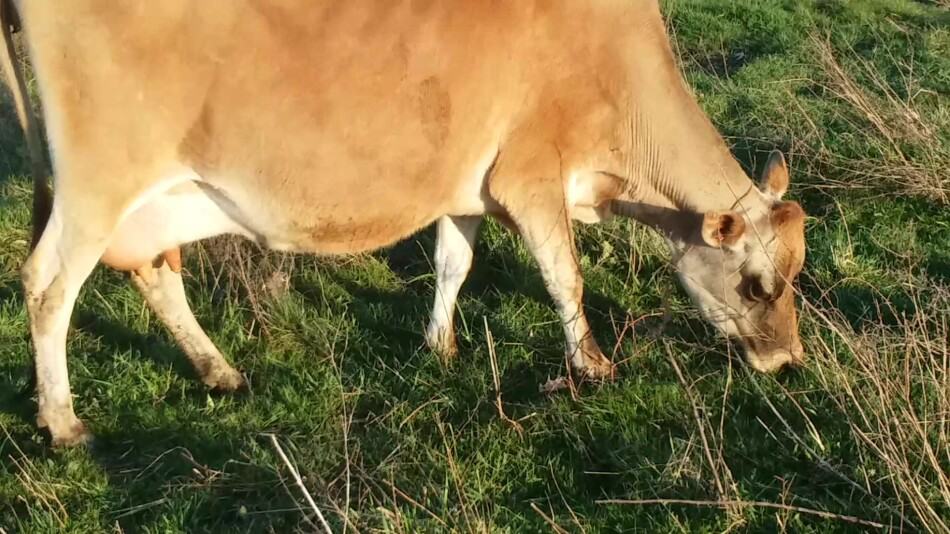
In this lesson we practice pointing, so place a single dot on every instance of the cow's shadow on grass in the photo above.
(11, 139)
(487, 282)
(148, 459)
(143, 462)
(409, 307)
(117, 337)
(144, 452)
(144, 457)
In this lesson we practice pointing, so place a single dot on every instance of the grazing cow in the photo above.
(336, 127)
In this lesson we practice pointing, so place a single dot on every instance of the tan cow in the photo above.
(335, 127)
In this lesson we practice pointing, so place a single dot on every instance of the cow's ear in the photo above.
(723, 229)
(775, 179)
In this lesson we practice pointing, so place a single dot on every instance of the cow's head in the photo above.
(739, 273)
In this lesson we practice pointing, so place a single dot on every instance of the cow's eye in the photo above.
(754, 291)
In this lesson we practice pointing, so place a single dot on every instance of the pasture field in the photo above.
(387, 438)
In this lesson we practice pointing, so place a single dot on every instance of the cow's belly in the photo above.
(320, 219)
(345, 226)
(347, 205)
(189, 208)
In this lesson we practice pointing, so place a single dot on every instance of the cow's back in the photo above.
(331, 128)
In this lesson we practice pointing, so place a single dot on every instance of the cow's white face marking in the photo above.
(741, 278)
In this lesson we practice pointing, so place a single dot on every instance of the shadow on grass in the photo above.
(118, 338)
(153, 468)
(12, 160)
(211, 469)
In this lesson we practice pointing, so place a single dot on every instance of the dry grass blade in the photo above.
(300, 484)
(728, 504)
(458, 479)
(249, 273)
(570, 510)
(895, 124)
(42, 491)
(547, 519)
(893, 390)
(416, 503)
(497, 380)
(722, 477)
(132, 510)
(346, 421)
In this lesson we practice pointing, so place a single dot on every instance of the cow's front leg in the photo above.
(538, 207)
(454, 248)
(551, 242)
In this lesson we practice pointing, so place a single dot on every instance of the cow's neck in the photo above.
(679, 167)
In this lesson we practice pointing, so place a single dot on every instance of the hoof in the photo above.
(72, 435)
(225, 380)
(598, 371)
(590, 362)
(447, 354)
(774, 362)
(442, 342)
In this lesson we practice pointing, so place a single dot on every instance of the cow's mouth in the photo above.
(775, 360)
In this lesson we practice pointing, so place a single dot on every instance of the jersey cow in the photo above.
(335, 127)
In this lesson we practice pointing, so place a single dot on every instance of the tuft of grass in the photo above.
(892, 383)
(386, 437)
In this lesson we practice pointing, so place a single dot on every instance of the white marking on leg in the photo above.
(74, 240)
(575, 328)
(453, 259)
(52, 277)
(563, 281)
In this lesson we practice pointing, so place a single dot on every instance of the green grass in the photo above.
(377, 425)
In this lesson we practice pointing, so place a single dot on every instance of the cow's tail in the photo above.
(42, 195)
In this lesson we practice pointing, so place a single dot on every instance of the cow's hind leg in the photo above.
(69, 248)
(89, 222)
(454, 249)
(164, 291)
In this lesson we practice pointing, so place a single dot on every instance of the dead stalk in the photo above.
(729, 504)
(454, 471)
(495, 377)
(43, 491)
(723, 481)
(892, 391)
(346, 420)
(547, 519)
(417, 504)
(300, 484)
(570, 510)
